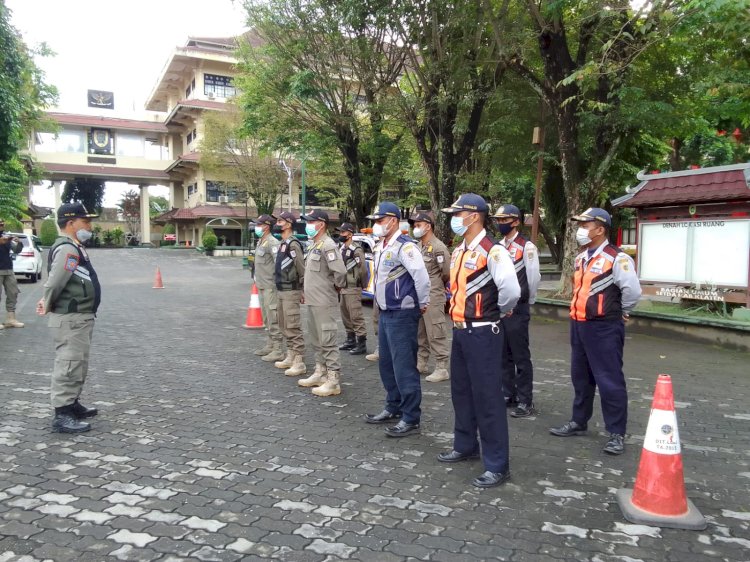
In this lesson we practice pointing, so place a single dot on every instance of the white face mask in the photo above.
(84, 235)
(379, 230)
(582, 236)
(419, 232)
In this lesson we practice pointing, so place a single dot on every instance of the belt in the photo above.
(464, 325)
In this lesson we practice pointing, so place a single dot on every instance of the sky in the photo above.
(115, 45)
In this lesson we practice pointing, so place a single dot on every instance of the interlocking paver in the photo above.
(203, 452)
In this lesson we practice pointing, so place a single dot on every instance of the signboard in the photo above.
(101, 99)
(688, 293)
(695, 252)
(168, 237)
(101, 142)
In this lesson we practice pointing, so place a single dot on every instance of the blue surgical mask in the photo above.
(259, 231)
(84, 235)
(310, 230)
(457, 225)
(504, 228)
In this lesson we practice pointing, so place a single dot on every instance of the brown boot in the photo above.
(316, 379)
(298, 366)
(374, 356)
(11, 322)
(265, 350)
(286, 362)
(275, 355)
(422, 366)
(331, 387)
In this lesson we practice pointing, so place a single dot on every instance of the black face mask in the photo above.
(505, 228)
(276, 229)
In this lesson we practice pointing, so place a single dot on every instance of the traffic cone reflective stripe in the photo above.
(157, 280)
(254, 317)
(658, 497)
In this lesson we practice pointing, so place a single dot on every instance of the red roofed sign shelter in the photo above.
(694, 233)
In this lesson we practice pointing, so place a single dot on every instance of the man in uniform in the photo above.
(265, 269)
(8, 277)
(433, 330)
(484, 288)
(605, 290)
(325, 276)
(71, 297)
(351, 295)
(375, 355)
(518, 373)
(290, 277)
(402, 293)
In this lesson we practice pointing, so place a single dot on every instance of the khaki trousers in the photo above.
(72, 335)
(351, 313)
(8, 281)
(290, 322)
(323, 330)
(269, 307)
(433, 335)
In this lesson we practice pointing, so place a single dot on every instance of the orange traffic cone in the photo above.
(658, 497)
(254, 317)
(157, 280)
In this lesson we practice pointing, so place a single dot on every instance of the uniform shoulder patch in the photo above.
(331, 255)
(624, 264)
(356, 259)
(275, 249)
(71, 262)
(293, 253)
(440, 258)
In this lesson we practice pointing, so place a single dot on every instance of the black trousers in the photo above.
(518, 373)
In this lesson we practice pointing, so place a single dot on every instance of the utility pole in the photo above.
(538, 141)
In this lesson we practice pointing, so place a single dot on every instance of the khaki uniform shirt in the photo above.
(356, 268)
(437, 260)
(324, 271)
(265, 262)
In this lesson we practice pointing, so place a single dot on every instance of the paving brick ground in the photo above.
(203, 452)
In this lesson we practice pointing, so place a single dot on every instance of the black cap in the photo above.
(316, 215)
(346, 227)
(270, 220)
(421, 216)
(288, 216)
(74, 211)
(468, 202)
(385, 209)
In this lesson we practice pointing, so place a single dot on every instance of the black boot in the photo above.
(360, 348)
(81, 412)
(349, 343)
(66, 422)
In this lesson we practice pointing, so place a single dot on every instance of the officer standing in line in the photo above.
(8, 277)
(518, 372)
(402, 292)
(351, 295)
(484, 288)
(605, 290)
(265, 269)
(433, 329)
(290, 277)
(325, 276)
(375, 355)
(71, 297)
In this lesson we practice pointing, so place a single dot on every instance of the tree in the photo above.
(130, 209)
(230, 155)
(88, 191)
(23, 97)
(323, 73)
(157, 206)
(48, 232)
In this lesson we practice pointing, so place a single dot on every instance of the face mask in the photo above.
(378, 230)
(344, 238)
(259, 231)
(84, 235)
(419, 232)
(276, 229)
(458, 226)
(582, 236)
(310, 230)
(504, 228)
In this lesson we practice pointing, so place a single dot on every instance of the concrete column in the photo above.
(58, 199)
(145, 215)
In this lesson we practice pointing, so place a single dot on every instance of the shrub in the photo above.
(117, 234)
(210, 240)
(48, 232)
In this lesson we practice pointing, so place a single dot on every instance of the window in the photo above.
(65, 141)
(219, 86)
(130, 145)
(192, 188)
(213, 190)
(191, 136)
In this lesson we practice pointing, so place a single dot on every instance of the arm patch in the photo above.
(71, 262)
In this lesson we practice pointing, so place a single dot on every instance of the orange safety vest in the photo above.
(473, 290)
(595, 295)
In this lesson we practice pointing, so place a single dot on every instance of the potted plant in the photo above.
(209, 242)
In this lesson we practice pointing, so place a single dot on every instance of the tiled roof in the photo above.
(721, 183)
(108, 122)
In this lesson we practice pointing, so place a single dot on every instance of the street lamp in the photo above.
(290, 178)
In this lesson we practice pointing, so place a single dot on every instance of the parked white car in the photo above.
(30, 261)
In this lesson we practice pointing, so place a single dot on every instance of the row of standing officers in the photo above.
(492, 286)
